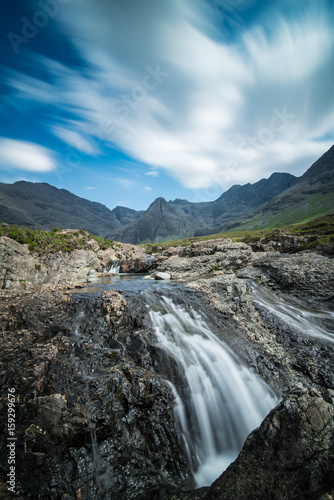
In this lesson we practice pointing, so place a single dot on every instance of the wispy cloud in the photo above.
(153, 173)
(22, 155)
(126, 183)
(208, 112)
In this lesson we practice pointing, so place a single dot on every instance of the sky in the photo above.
(123, 101)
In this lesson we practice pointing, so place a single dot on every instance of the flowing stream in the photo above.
(219, 401)
(314, 323)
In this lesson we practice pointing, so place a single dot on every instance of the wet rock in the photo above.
(290, 456)
(93, 412)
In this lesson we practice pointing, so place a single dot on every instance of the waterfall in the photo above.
(113, 267)
(218, 400)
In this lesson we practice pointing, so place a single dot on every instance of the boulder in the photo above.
(162, 276)
(290, 456)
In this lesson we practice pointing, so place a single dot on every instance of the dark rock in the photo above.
(94, 415)
(291, 455)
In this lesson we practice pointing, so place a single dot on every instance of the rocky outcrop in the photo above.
(207, 258)
(20, 268)
(291, 455)
(93, 412)
(307, 276)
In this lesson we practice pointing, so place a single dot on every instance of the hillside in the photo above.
(311, 196)
(41, 206)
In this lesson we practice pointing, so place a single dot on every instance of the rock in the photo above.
(290, 456)
(94, 412)
(162, 276)
(281, 241)
(206, 247)
(18, 267)
(141, 265)
(209, 258)
(307, 276)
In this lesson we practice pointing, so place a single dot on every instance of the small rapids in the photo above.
(316, 324)
(218, 400)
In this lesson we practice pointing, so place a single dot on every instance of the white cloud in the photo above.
(148, 188)
(75, 140)
(90, 187)
(24, 155)
(216, 99)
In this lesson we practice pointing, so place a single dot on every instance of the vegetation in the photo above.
(321, 228)
(56, 240)
(315, 206)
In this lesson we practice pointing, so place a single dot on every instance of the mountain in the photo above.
(181, 218)
(281, 199)
(311, 196)
(41, 206)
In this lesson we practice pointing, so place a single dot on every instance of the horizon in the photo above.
(179, 100)
(158, 197)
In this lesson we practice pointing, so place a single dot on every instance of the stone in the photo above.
(162, 276)
(291, 455)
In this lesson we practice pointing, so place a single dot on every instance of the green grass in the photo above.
(316, 206)
(43, 242)
(322, 228)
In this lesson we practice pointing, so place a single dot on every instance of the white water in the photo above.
(220, 401)
(307, 321)
(113, 267)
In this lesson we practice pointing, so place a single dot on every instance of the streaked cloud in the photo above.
(165, 85)
(23, 155)
(153, 173)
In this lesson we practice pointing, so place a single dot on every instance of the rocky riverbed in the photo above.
(94, 414)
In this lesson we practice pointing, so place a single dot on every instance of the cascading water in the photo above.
(114, 267)
(218, 400)
(307, 321)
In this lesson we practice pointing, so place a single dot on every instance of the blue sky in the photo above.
(122, 101)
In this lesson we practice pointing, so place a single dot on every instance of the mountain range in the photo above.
(280, 199)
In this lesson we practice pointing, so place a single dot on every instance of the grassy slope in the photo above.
(43, 242)
(316, 206)
(322, 228)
